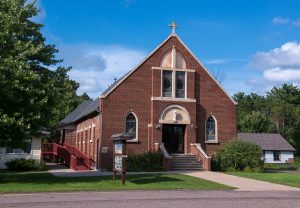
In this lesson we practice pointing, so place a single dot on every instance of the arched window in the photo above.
(131, 125)
(174, 77)
(210, 126)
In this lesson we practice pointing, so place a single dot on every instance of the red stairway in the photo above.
(73, 157)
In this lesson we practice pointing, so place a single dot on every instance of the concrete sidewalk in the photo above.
(243, 184)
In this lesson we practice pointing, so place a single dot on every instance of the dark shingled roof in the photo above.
(267, 141)
(85, 108)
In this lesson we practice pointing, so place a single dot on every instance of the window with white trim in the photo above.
(174, 77)
(25, 150)
(131, 125)
(210, 129)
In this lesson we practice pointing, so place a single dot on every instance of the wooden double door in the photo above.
(173, 137)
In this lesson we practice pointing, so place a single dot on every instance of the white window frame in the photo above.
(216, 130)
(174, 70)
(135, 140)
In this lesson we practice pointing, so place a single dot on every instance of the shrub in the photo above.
(148, 161)
(25, 165)
(237, 155)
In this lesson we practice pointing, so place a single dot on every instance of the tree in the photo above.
(284, 104)
(32, 96)
(279, 112)
(248, 104)
(256, 122)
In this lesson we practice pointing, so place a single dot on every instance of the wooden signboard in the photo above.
(119, 156)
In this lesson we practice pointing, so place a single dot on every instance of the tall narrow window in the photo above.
(131, 125)
(276, 155)
(167, 83)
(180, 84)
(210, 129)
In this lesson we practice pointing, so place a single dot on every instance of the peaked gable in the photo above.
(123, 78)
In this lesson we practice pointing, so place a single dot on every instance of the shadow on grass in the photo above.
(159, 179)
(47, 178)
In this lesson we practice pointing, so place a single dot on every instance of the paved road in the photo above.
(157, 199)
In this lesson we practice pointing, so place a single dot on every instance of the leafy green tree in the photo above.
(247, 104)
(32, 96)
(256, 122)
(284, 102)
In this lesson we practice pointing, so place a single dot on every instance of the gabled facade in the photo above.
(169, 98)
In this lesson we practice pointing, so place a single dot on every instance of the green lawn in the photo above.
(45, 182)
(280, 178)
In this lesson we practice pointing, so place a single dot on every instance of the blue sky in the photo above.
(255, 44)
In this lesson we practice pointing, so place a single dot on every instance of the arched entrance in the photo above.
(174, 119)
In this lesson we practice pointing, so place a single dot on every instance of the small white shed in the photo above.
(275, 148)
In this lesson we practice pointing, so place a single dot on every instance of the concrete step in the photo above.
(185, 162)
(190, 163)
(185, 168)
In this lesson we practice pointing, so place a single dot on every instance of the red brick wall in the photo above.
(85, 137)
(135, 93)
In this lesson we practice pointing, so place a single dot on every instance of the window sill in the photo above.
(211, 142)
(174, 99)
(133, 141)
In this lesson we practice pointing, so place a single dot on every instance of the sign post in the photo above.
(119, 155)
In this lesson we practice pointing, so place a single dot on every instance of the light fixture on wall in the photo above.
(157, 126)
(193, 126)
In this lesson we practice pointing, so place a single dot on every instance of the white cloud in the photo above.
(296, 23)
(280, 21)
(223, 60)
(286, 21)
(95, 67)
(42, 12)
(288, 55)
(216, 61)
(278, 66)
(282, 75)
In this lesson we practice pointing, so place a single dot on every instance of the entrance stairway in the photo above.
(73, 157)
(185, 162)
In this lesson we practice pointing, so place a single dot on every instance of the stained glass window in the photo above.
(210, 129)
(180, 84)
(167, 83)
(131, 124)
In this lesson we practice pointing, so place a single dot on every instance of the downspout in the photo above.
(100, 142)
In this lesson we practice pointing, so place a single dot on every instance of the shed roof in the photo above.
(267, 141)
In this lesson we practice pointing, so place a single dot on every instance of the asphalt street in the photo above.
(157, 199)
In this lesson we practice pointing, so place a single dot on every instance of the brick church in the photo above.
(169, 102)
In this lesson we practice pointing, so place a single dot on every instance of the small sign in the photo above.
(118, 148)
(118, 162)
(104, 150)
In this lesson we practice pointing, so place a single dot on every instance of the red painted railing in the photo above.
(74, 158)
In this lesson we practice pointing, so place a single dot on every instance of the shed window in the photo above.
(276, 155)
